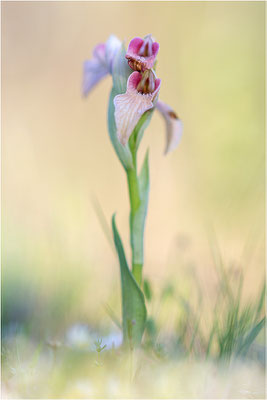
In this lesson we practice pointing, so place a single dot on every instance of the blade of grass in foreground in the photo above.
(112, 316)
(249, 339)
(102, 221)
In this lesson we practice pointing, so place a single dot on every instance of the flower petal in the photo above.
(137, 61)
(113, 45)
(135, 45)
(133, 81)
(129, 107)
(101, 63)
(99, 52)
(155, 48)
(93, 72)
(156, 91)
(174, 126)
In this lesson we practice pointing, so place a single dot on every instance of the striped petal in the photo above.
(130, 106)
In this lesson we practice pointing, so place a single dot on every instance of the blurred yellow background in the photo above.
(57, 154)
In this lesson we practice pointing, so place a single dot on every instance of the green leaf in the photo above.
(147, 290)
(120, 73)
(142, 125)
(138, 219)
(249, 339)
(151, 328)
(133, 302)
(261, 303)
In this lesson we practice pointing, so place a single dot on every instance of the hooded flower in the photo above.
(141, 95)
(174, 126)
(101, 63)
(142, 86)
(141, 54)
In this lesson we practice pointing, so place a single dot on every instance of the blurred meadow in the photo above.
(61, 182)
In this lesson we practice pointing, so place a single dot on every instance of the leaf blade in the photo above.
(133, 302)
(249, 339)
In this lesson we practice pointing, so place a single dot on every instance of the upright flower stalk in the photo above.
(141, 95)
(135, 201)
(133, 99)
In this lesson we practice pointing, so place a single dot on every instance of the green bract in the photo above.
(123, 152)
(120, 74)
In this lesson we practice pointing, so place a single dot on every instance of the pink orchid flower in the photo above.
(141, 54)
(101, 63)
(141, 95)
(174, 126)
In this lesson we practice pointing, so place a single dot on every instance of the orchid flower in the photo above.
(101, 63)
(133, 99)
(141, 53)
(140, 96)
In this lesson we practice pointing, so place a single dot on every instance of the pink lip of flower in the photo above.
(141, 53)
(100, 64)
(130, 106)
(174, 126)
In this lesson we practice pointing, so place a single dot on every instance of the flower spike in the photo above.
(141, 95)
(101, 63)
(141, 54)
(174, 126)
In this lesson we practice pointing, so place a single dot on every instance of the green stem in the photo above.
(133, 190)
(134, 204)
(133, 187)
